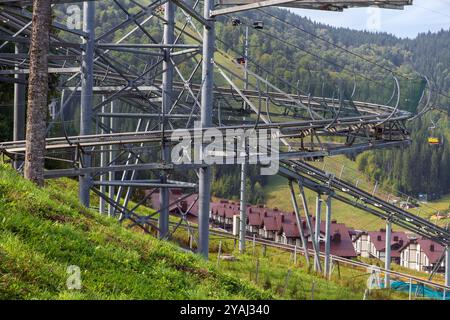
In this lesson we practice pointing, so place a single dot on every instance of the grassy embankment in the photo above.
(43, 231)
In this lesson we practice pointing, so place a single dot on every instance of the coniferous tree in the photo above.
(37, 92)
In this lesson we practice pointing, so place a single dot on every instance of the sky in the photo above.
(422, 16)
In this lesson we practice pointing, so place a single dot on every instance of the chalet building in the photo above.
(188, 206)
(254, 223)
(341, 242)
(270, 227)
(361, 244)
(372, 244)
(285, 220)
(290, 234)
(213, 212)
(422, 255)
(223, 212)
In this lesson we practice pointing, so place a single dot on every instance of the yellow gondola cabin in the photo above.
(433, 140)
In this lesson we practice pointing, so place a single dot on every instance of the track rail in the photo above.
(314, 178)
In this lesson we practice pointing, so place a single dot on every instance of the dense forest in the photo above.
(421, 168)
(296, 53)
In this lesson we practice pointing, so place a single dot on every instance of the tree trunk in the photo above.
(37, 92)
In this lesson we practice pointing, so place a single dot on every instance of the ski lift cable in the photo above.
(346, 50)
(319, 57)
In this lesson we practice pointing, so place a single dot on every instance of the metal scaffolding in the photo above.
(136, 88)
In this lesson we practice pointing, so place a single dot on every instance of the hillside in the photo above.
(42, 232)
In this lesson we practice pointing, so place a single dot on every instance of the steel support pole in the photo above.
(87, 75)
(387, 256)
(206, 120)
(243, 204)
(327, 237)
(167, 85)
(246, 62)
(310, 228)
(447, 267)
(299, 222)
(243, 208)
(103, 162)
(111, 177)
(19, 107)
(317, 228)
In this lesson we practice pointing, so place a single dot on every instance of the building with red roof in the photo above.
(264, 222)
(222, 212)
(372, 244)
(422, 255)
(188, 205)
(254, 222)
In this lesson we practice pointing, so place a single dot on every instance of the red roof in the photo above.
(341, 242)
(285, 218)
(271, 224)
(175, 194)
(254, 219)
(230, 212)
(398, 241)
(431, 249)
(290, 230)
(256, 209)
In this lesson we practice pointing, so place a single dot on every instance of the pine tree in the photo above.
(37, 92)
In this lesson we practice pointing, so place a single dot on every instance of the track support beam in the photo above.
(87, 84)
(447, 267)
(206, 121)
(317, 229)
(167, 85)
(327, 262)
(19, 106)
(299, 222)
(387, 256)
(243, 208)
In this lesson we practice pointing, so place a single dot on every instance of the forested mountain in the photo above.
(295, 53)
(421, 168)
(291, 49)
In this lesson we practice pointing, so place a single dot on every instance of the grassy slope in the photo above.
(42, 232)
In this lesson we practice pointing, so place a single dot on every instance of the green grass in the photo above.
(43, 231)
(278, 274)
